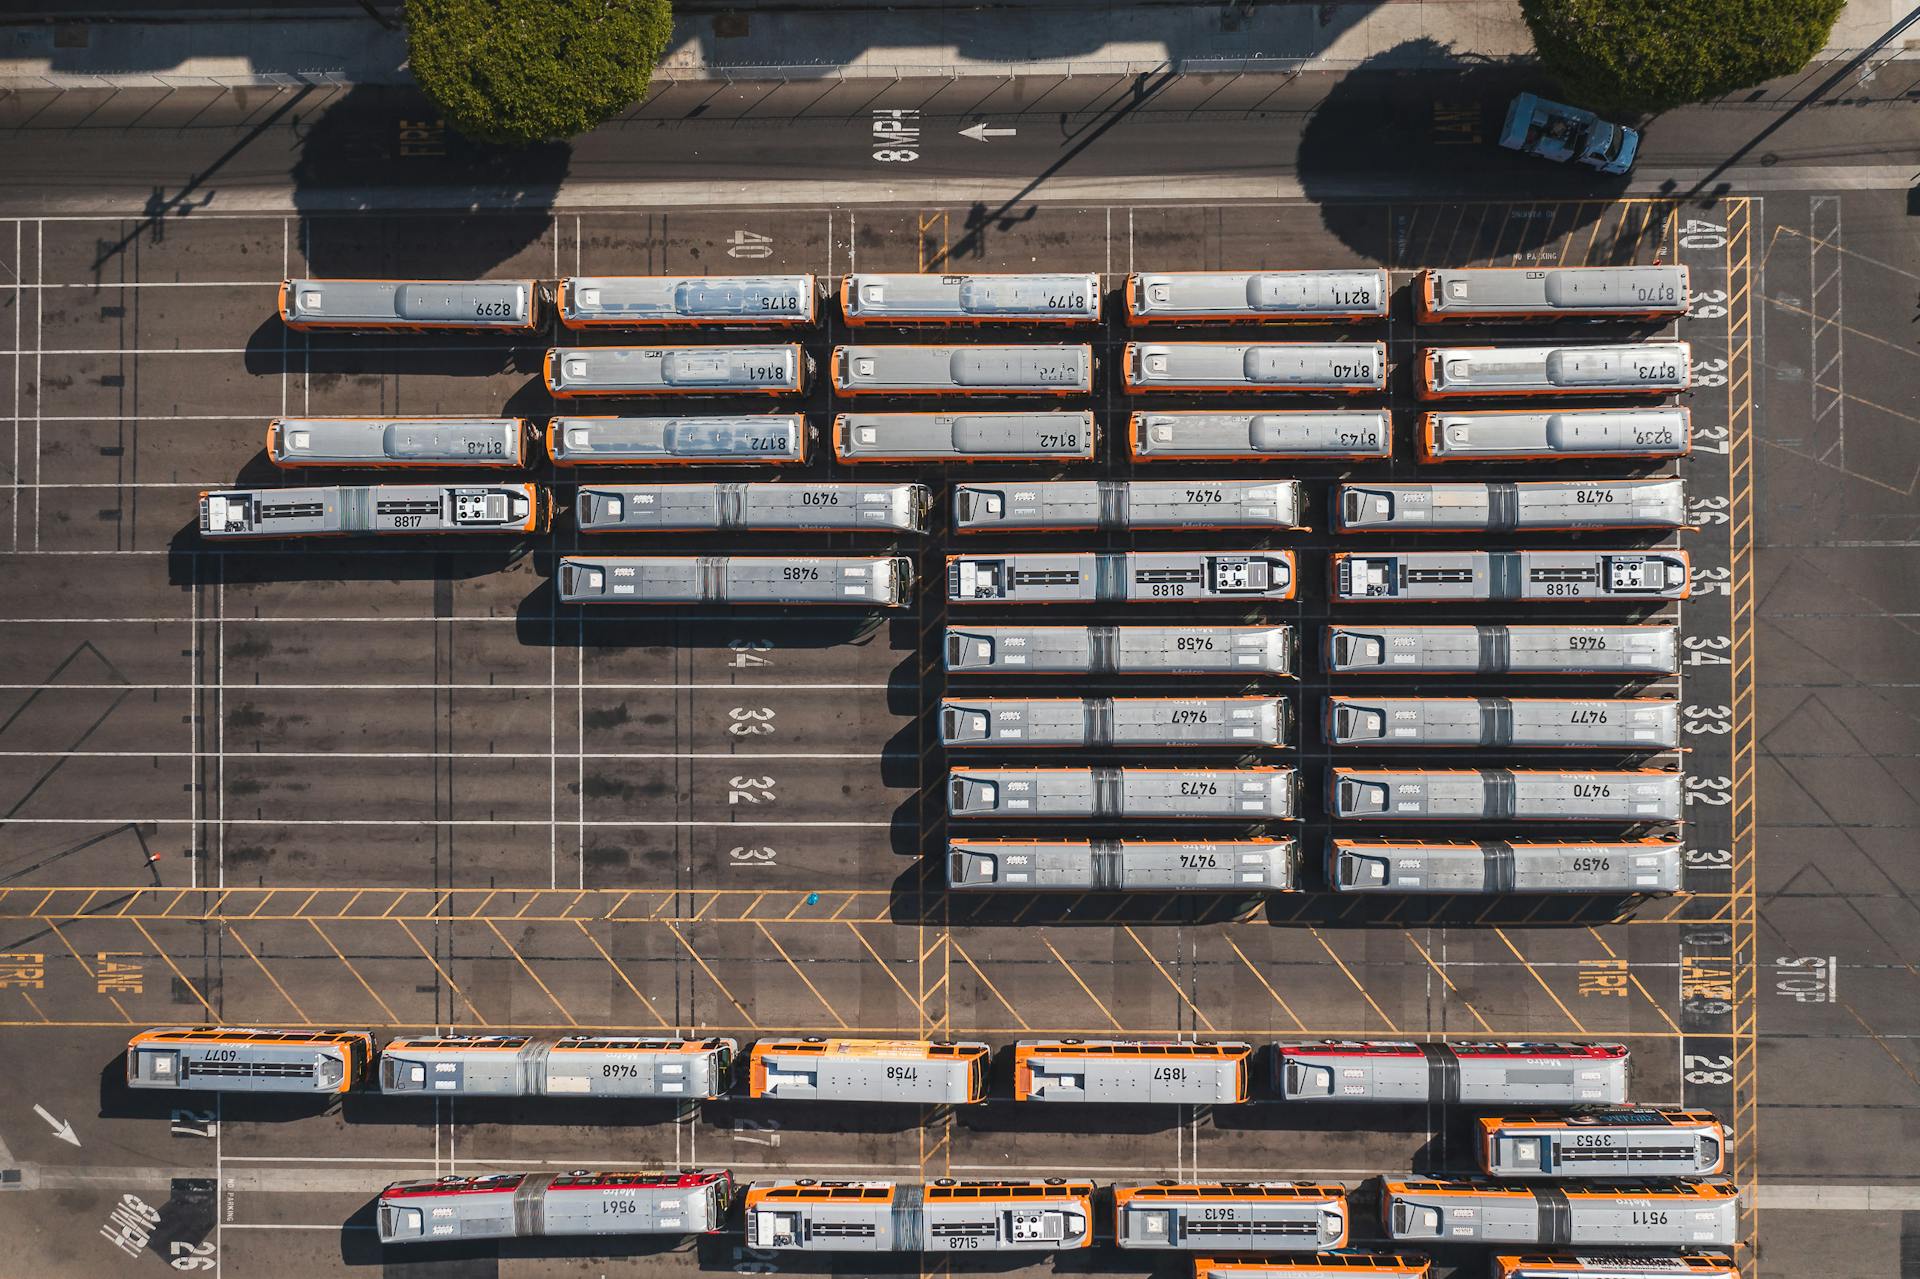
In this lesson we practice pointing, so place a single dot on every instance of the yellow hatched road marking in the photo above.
(1501, 933)
(620, 973)
(1168, 977)
(988, 983)
(85, 967)
(1635, 979)
(268, 972)
(1331, 954)
(522, 961)
(711, 976)
(1261, 978)
(391, 1015)
(168, 961)
(1081, 984)
(445, 976)
(805, 980)
(885, 967)
(1453, 989)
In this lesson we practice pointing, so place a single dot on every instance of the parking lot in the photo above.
(396, 787)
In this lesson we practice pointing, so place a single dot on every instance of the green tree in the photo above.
(1629, 56)
(519, 71)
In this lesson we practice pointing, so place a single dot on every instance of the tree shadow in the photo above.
(382, 147)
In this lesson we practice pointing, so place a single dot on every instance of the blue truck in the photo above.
(1555, 131)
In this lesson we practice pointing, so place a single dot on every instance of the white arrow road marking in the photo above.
(980, 132)
(63, 1131)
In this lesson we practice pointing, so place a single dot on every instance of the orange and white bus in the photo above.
(1279, 1216)
(496, 443)
(963, 370)
(904, 1070)
(245, 1059)
(970, 299)
(1603, 1141)
(1529, 435)
(942, 1216)
(376, 510)
(1335, 368)
(772, 369)
(1687, 1265)
(496, 306)
(1151, 1071)
(686, 301)
(1659, 1212)
(1551, 293)
(1358, 434)
(1258, 297)
(964, 437)
(1326, 1265)
(1460, 372)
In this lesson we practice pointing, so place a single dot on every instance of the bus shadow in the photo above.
(1401, 911)
(376, 1108)
(543, 620)
(193, 562)
(760, 1122)
(920, 896)
(195, 1109)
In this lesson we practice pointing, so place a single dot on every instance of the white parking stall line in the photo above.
(424, 823)
(464, 687)
(509, 755)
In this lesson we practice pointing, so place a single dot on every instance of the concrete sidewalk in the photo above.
(910, 38)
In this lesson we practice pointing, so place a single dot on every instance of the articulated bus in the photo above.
(398, 441)
(942, 1216)
(1523, 435)
(1283, 1216)
(970, 299)
(519, 1205)
(376, 509)
(686, 301)
(1604, 1142)
(931, 1073)
(1340, 368)
(1545, 1073)
(1639, 1265)
(963, 370)
(511, 306)
(1656, 1212)
(1647, 368)
(882, 581)
(1637, 867)
(778, 369)
(1325, 1265)
(1254, 297)
(647, 508)
(1551, 293)
(242, 1059)
(1219, 794)
(571, 1066)
(1329, 434)
(1505, 795)
(1500, 649)
(1122, 504)
(1532, 576)
(1115, 577)
(1120, 650)
(1147, 722)
(1160, 1072)
(1623, 723)
(964, 437)
(1123, 865)
(1508, 507)
(767, 439)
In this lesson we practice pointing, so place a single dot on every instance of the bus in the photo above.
(1506, 795)
(686, 301)
(1119, 650)
(963, 370)
(1551, 293)
(970, 299)
(1283, 1216)
(1500, 649)
(1622, 723)
(570, 1066)
(964, 437)
(500, 306)
(1123, 865)
(942, 1216)
(1123, 504)
(1533, 576)
(243, 1059)
(1145, 722)
(1338, 368)
(1635, 867)
(778, 369)
(647, 508)
(871, 581)
(937, 1072)
(341, 510)
(521, 1205)
(1542, 1072)
(1154, 1071)
(1507, 507)
(1656, 1212)
(1639, 1265)
(1329, 434)
(1221, 794)
(766, 439)
(1116, 577)
(494, 442)
(1325, 1265)
(1646, 368)
(1523, 435)
(1631, 1141)
(1258, 297)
